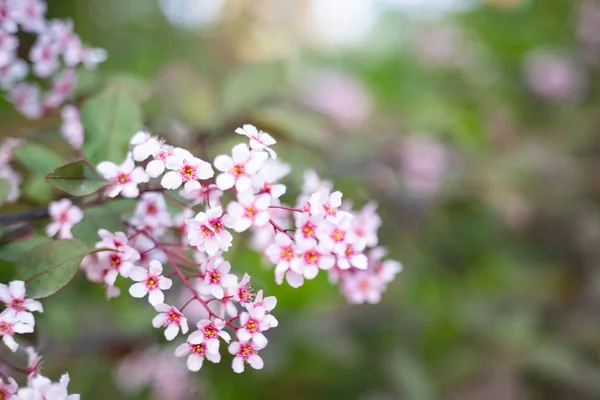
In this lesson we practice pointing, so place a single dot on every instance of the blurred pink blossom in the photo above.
(338, 94)
(554, 77)
(423, 161)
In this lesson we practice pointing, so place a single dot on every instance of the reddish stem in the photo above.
(287, 208)
(280, 229)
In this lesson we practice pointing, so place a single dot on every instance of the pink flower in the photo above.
(209, 332)
(324, 204)
(172, 318)
(281, 253)
(43, 388)
(30, 14)
(259, 140)
(62, 86)
(206, 231)
(8, 44)
(209, 194)
(268, 304)
(8, 390)
(64, 216)
(151, 213)
(44, 56)
(311, 258)
(253, 324)
(216, 277)
(125, 177)
(150, 282)
(71, 128)
(185, 169)
(243, 293)
(352, 256)
(157, 166)
(268, 176)
(9, 325)
(248, 210)
(13, 72)
(238, 169)
(120, 261)
(8, 16)
(26, 98)
(13, 297)
(144, 146)
(197, 349)
(362, 286)
(245, 352)
(366, 223)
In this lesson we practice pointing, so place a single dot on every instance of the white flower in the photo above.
(8, 390)
(12, 73)
(324, 204)
(282, 253)
(172, 318)
(197, 349)
(8, 44)
(26, 98)
(64, 216)
(185, 168)
(238, 169)
(30, 14)
(9, 325)
(150, 282)
(265, 181)
(62, 86)
(259, 140)
(151, 213)
(156, 167)
(311, 258)
(13, 297)
(42, 388)
(245, 352)
(144, 146)
(217, 277)
(125, 177)
(248, 210)
(253, 323)
(209, 332)
(206, 232)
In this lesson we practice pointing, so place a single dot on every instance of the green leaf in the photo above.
(36, 190)
(37, 158)
(107, 216)
(4, 191)
(110, 120)
(50, 266)
(13, 250)
(78, 178)
(250, 84)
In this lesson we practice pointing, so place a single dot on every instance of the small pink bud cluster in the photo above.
(55, 54)
(186, 236)
(7, 173)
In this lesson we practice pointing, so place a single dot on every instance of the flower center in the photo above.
(238, 169)
(329, 209)
(6, 328)
(122, 178)
(210, 331)
(17, 305)
(364, 285)
(349, 251)
(206, 231)
(63, 217)
(311, 256)
(217, 225)
(174, 317)
(244, 294)
(338, 235)
(250, 211)
(152, 282)
(198, 349)
(215, 277)
(245, 351)
(151, 209)
(252, 326)
(287, 253)
(188, 172)
(115, 261)
(308, 230)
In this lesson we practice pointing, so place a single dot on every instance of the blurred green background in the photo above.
(473, 124)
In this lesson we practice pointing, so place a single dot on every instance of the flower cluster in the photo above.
(53, 58)
(38, 386)
(17, 316)
(7, 173)
(191, 235)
